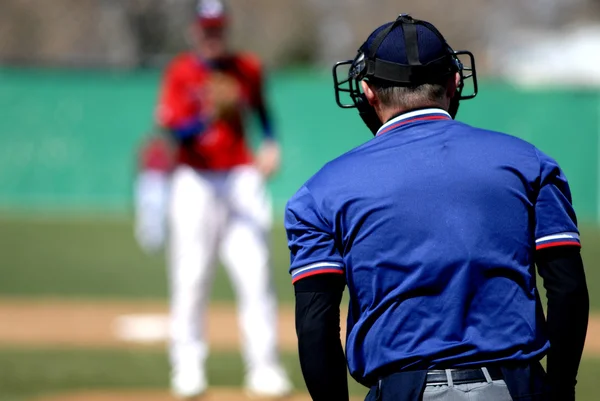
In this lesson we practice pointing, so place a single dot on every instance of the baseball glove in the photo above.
(224, 95)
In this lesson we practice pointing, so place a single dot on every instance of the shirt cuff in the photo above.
(316, 268)
(559, 239)
(189, 129)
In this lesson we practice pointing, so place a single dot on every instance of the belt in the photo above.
(462, 376)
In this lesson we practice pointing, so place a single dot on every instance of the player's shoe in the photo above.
(188, 384)
(269, 382)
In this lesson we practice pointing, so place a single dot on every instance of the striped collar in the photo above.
(413, 116)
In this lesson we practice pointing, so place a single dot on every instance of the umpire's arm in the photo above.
(318, 327)
(561, 268)
(317, 271)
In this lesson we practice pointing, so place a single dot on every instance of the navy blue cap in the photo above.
(430, 44)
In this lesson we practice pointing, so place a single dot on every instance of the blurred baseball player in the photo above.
(219, 204)
(435, 227)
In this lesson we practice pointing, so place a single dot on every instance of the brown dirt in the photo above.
(222, 394)
(92, 324)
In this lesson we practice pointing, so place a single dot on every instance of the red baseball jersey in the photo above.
(221, 144)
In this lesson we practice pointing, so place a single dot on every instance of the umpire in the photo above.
(436, 228)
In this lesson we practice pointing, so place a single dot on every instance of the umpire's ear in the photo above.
(452, 85)
(369, 93)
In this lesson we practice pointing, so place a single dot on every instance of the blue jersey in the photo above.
(434, 224)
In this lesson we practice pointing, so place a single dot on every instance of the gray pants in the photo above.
(486, 391)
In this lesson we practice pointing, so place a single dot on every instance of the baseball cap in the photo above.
(431, 44)
(409, 52)
(211, 13)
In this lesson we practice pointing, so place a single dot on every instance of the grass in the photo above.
(79, 258)
(25, 373)
(99, 258)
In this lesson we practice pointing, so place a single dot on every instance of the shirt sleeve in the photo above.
(178, 110)
(555, 219)
(312, 246)
(256, 77)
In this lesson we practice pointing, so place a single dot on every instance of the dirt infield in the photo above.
(115, 324)
(87, 324)
(221, 394)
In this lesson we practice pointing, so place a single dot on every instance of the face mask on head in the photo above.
(366, 66)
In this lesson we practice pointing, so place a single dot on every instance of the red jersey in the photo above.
(220, 145)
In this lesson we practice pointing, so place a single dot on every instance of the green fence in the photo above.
(68, 138)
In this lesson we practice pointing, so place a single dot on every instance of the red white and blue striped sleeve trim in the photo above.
(560, 239)
(317, 268)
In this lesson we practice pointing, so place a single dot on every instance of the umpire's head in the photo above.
(404, 65)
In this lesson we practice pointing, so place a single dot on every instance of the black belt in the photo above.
(462, 376)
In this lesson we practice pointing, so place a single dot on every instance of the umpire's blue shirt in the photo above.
(434, 224)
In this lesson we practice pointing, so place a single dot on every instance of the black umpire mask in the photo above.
(404, 53)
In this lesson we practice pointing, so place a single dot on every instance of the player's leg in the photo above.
(194, 224)
(245, 253)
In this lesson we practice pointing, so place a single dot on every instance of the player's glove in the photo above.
(151, 198)
(223, 95)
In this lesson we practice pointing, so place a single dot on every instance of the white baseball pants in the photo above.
(224, 214)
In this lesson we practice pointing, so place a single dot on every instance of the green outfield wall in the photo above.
(68, 138)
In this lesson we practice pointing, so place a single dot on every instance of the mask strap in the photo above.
(411, 44)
